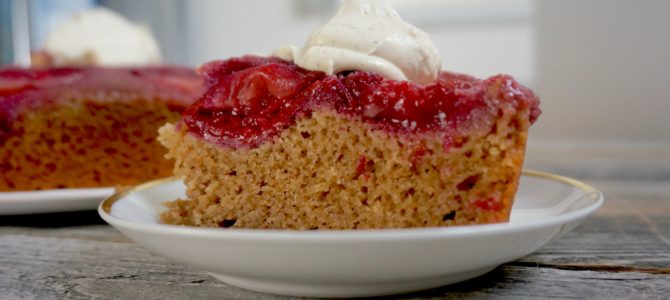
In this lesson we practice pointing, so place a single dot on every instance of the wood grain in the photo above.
(621, 252)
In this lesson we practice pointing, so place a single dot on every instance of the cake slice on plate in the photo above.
(358, 129)
(272, 145)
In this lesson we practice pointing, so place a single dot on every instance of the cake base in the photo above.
(332, 171)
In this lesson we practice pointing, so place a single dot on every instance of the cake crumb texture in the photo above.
(81, 142)
(332, 171)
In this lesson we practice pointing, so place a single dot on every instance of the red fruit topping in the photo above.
(488, 204)
(32, 88)
(248, 105)
(360, 168)
(251, 99)
(417, 156)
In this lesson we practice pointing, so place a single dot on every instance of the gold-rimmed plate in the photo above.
(348, 263)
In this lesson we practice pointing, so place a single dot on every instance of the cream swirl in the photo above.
(368, 35)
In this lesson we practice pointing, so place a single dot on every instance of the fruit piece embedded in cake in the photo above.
(88, 127)
(357, 129)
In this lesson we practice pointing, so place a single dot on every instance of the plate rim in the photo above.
(418, 233)
(79, 192)
(16, 203)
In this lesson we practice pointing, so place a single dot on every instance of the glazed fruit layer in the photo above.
(28, 89)
(252, 99)
(87, 127)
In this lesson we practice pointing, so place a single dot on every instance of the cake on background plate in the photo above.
(86, 113)
(87, 126)
(358, 129)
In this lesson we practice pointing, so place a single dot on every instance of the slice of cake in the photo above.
(88, 126)
(272, 145)
(357, 129)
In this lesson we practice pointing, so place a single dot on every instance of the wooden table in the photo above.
(623, 251)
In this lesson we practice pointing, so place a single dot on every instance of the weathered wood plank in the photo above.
(513, 282)
(601, 242)
(96, 261)
(633, 197)
(623, 252)
(42, 267)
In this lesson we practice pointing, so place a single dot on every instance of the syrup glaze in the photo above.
(251, 99)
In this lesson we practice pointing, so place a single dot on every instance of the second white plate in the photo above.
(354, 263)
(51, 201)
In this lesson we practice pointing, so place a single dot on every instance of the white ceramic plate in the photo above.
(351, 263)
(50, 201)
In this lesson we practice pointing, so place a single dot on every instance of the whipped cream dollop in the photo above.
(368, 35)
(101, 37)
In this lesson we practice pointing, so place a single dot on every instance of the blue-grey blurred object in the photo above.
(14, 36)
(6, 55)
(25, 24)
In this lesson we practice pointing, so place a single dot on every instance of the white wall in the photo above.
(222, 29)
(470, 40)
(603, 70)
(601, 67)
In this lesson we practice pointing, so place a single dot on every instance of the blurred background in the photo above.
(600, 67)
